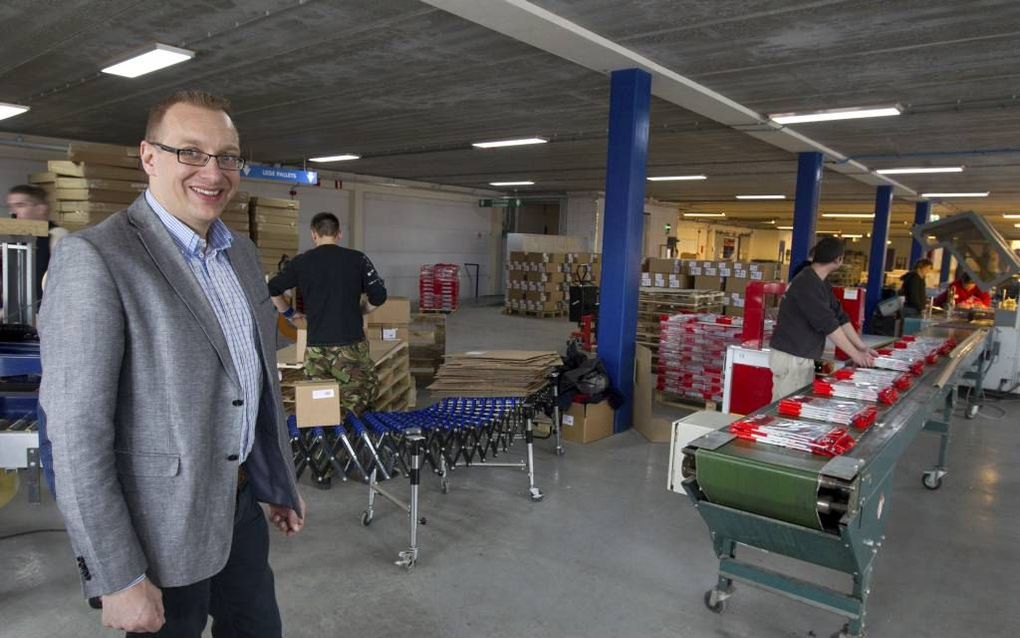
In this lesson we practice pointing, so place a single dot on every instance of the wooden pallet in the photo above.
(438, 311)
(682, 401)
(536, 313)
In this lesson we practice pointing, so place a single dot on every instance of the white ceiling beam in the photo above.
(533, 25)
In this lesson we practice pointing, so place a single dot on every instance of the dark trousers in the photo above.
(241, 598)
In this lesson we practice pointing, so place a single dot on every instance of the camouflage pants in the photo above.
(351, 366)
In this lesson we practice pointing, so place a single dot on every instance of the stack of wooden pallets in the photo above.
(273, 227)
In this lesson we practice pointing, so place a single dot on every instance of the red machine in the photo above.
(747, 365)
(852, 300)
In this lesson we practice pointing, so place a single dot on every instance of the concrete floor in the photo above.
(609, 552)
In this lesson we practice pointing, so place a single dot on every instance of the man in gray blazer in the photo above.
(161, 394)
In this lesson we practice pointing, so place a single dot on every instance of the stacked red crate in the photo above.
(692, 350)
(439, 287)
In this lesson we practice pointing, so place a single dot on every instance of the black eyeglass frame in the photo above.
(203, 155)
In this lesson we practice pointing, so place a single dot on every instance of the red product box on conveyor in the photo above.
(900, 360)
(806, 436)
(899, 380)
(844, 412)
(863, 390)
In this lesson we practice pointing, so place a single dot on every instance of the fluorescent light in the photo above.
(919, 170)
(849, 215)
(676, 178)
(784, 227)
(335, 158)
(1011, 216)
(704, 214)
(981, 194)
(10, 110)
(850, 236)
(156, 57)
(761, 196)
(501, 143)
(829, 115)
(521, 183)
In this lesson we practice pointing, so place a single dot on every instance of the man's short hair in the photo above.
(922, 263)
(38, 195)
(326, 224)
(194, 98)
(827, 250)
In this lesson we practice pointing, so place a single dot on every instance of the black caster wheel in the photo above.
(366, 518)
(931, 480)
(715, 604)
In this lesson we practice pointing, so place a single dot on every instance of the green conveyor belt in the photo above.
(783, 493)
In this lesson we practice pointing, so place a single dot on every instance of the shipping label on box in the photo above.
(646, 279)
(696, 270)
(711, 272)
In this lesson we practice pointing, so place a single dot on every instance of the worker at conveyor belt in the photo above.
(965, 294)
(808, 313)
(913, 288)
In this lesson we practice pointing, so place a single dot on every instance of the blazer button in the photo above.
(233, 457)
(238, 402)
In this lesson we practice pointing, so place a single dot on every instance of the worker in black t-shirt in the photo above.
(332, 280)
(808, 313)
(914, 289)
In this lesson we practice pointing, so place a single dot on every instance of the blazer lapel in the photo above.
(253, 284)
(168, 259)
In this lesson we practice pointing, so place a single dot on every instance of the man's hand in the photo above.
(138, 608)
(873, 353)
(862, 358)
(287, 520)
(297, 315)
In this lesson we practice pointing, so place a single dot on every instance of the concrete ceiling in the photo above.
(409, 87)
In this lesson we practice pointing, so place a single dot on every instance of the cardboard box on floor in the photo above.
(587, 422)
(317, 403)
(654, 428)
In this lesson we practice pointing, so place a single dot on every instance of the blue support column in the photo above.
(805, 206)
(922, 212)
(946, 263)
(876, 259)
(629, 100)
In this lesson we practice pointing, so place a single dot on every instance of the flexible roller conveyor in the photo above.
(829, 511)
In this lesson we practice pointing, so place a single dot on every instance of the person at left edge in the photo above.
(161, 394)
(28, 201)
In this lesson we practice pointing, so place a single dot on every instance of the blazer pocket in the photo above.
(147, 464)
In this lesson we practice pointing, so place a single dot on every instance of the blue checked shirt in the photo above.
(211, 266)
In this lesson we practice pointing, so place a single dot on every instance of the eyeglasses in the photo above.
(195, 157)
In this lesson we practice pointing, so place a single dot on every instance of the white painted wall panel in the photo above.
(403, 232)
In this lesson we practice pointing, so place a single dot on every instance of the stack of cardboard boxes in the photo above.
(235, 215)
(388, 330)
(539, 283)
(96, 181)
(741, 274)
(428, 346)
(273, 227)
(851, 273)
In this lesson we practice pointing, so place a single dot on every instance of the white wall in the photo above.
(404, 231)
(16, 171)
(581, 216)
(657, 216)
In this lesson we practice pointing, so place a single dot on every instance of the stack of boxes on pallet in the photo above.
(539, 283)
(96, 181)
(851, 273)
(428, 346)
(273, 228)
(388, 329)
(691, 355)
(236, 215)
(729, 277)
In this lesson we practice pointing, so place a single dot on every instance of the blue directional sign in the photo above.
(279, 174)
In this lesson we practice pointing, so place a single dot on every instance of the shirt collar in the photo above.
(187, 240)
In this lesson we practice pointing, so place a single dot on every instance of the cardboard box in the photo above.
(388, 332)
(654, 428)
(767, 271)
(295, 353)
(703, 282)
(674, 266)
(587, 422)
(395, 310)
(735, 284)
(317, 403)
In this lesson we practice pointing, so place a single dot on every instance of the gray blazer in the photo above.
(138, 390)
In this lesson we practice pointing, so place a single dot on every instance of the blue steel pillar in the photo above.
(876, 259)
(922, 212)
(629, 99)
(944, 270)
(805, 206)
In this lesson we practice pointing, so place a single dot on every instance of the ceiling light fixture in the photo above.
(519, 183)
(919, 170)
(976, 194)
(1011, 216)
(335, 158)
(784, 227)
(761, 196)
(10, 110)
(524, 141)
(849, 215)
(676, 178)
(829, 115)
(851, 236)
(152, 58)
(704, 214)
